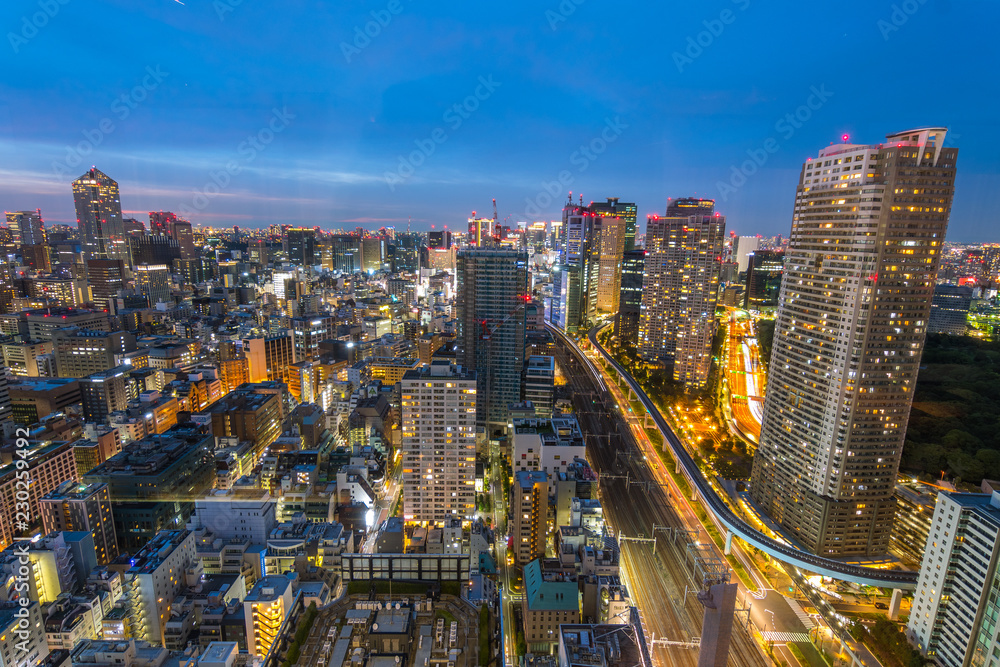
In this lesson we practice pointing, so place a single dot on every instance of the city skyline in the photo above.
(660, 126)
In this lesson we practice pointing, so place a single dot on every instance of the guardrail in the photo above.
(737, 526)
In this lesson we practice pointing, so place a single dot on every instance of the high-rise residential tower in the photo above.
(680, 288)
(439, 442)
(491, 298)
(99, 216)
(82, 507)
(867, 232)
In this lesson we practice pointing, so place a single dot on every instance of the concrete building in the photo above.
(630, 299)
(82, 507)
(17, 650)
(237, 514)
(743, 248)
(49, 465)
(266, 609)
(539, 384)
(154, 482)
(849, 335)
(529, 515)
(153, 580)
(551, 599)
(80, 352)
(104, 393)
(439, 442)
(950, 309)
(681, 287)
(763, 284)
(34, 398)
(153, 280)
(953, 618)
(491, 300)
(548, 445)
(246, 414)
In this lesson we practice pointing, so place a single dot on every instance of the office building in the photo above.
(491, 300)
(81, 352)
(590, 266)
(613, 208)
(153, 280)
(41, 324)
(301, 245)
(765, 269)
(99, 217)
(196, 270)
(404, 253)
(105, 392)
(529, 515)
(551, 600)
(345, 253)
(743, 248)
(955, 606)
(246, 414)
(153, 249)
(630, 300)
(6, 409)
(165, 223)
(237, 514)
(680, 288)
(34, 398)
(153, 581)
(308, 332)
(950, 309)
(27, 228)
(106, 278)
(850, 331)
(82, 507)
(154, 482)
(439, 442)
(270, 357)
(539, 384)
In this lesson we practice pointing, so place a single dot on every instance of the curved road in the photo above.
(783, 552)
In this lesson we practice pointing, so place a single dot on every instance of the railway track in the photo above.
(656, 579)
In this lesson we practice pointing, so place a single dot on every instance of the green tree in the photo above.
(990, 458)
(521, 646)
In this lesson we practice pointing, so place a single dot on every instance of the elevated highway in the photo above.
(783, 552)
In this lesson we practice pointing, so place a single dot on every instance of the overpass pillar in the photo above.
(630, 393)
(645, 424)
(897, 600)
(729, 543)
(677, 462)
(694, 492)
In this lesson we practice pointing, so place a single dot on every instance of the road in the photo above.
(654, 573)
(386, 498)
(510, 598)
(744, 375)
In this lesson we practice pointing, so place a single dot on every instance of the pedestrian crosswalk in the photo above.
(785, 637)
(803, 616)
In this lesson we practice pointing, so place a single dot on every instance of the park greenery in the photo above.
(954, 426)
(888, 643)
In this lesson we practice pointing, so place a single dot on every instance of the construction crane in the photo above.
(497, 231)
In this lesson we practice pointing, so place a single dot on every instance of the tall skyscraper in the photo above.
(491, 298)
(764, 273)
(27, 227)
(630, 300)
(867, 231)
(153, 280)
(439, 442)
(302, 246)
(615, 209)
(743, 247)
(590, 266)
(681, 288)
(99, 216)
(106, 278)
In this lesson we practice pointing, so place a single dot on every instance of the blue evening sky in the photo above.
(601, 98)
